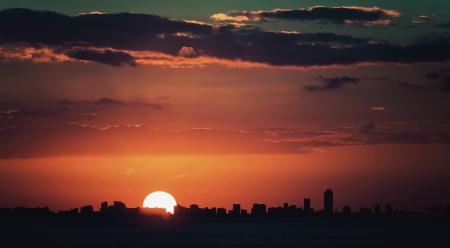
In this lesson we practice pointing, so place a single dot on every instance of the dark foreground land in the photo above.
(223, 232)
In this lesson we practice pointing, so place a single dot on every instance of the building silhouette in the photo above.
(377, 209)
(221, 211)
(328, 202)
(346, 210)
(119, 209)
(87, 209)
(307, 205)
(388, 210)
(104, 207)
(365, 211)
(236, 209)
(258, 209)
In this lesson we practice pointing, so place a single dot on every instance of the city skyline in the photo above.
(257, 209)
(225, 102)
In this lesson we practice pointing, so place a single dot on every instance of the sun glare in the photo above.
(160, 199)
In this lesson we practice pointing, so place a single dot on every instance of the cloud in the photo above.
(376, 138)
(106, 56)
(65, 111)
(432, 75)
(131, 172)
(106, 101)
(398, 138)
(410, 86)
(380, 108)
(376, 78)
(340, 15)
(423, 19)
(134, 39)
(367, 127)
(76, 139)
(443, 25)
(444, 85)
(333, 83)
(187, 52)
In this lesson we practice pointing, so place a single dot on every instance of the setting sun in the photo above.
(160, 199)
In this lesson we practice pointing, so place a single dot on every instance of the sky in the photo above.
(225, 102)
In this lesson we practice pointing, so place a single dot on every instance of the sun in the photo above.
(160, 199)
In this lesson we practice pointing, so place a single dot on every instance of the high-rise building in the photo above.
(377, 209)
(307, 205)
(328, 202)
(388, 209)
(236, 209)
(104, 207)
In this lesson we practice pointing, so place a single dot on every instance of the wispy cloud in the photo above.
(379, 108)
(131, 172)
(333, 83)
(424, 19)
(367, 16)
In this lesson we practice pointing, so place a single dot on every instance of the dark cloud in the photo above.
(65, 111)
(367, 127)
(106, 56)
(432, 75)
(27, 118)
(413, 27)
(376, 78)
(334, 83)
(411, 86)
(375, 138)
(4, 106)
(157, 106)
(258, 37)
(338, 15)
(443, 25)
(26, 114)
(115, 39)
(122, 30)
(444, 85)
(398, 138)
(107, 101)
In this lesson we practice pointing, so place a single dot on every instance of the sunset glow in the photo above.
(160, 199)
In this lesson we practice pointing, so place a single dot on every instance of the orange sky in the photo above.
(359, 176)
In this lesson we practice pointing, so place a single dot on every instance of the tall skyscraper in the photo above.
(377, 209)
(236, 209)
(307, 205)
(328, 202)
(388, 209)
(104, 207)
